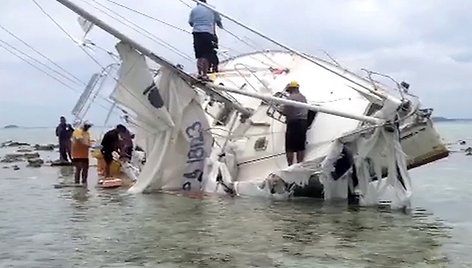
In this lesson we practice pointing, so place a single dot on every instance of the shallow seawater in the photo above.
(71, 227)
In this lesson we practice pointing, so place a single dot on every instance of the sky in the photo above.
(426, 43)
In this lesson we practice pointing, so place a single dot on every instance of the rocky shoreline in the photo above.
(25, 152)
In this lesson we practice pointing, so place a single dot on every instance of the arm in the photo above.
(218, 20)
(191, 18)
(78, 137)
(57, 131)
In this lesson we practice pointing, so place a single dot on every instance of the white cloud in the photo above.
(423, 42)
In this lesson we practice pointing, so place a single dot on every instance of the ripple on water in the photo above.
(89, 227)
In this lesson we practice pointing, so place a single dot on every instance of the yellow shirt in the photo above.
(80, 144)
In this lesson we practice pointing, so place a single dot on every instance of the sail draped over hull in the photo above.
(170, 121)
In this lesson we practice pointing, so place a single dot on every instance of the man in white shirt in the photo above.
(203, 21)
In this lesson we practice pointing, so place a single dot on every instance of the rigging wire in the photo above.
(38, 62)
(65, 32)
(148, 16)
(141, 30)
(186, 31)
(103, 68)
(242, 41)
(12, 51)
(34, 66)
(42, 55)
(34, 60)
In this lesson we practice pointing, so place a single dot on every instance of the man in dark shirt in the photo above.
(110, 144)
(64, 133)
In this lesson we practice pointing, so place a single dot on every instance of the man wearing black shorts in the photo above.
(111, 143)
(297, 124)
(203, 21)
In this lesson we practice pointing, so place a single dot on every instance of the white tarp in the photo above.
(176, 134)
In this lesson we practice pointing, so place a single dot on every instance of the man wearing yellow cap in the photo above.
(297, 124)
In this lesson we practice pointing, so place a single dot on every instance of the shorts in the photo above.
(107, 156)
(295, 136)
(84, 161)
(203, 45)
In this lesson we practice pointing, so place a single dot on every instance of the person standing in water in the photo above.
(64, 134)
(80, 152)
(203, 21)
(297, 124)
(111, 143)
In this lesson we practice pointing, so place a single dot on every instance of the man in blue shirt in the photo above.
(64, 133)
(203, 21)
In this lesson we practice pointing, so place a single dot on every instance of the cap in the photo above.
(87, 123)
(293, 84)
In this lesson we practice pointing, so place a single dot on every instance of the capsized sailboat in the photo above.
(227, 136)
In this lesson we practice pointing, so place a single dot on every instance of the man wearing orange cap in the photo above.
(297, 124)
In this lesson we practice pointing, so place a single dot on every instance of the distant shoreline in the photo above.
(444, 119)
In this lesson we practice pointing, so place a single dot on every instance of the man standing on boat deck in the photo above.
(297, 124)
(80, 152)
(64, 134)
(203, 21)
(111, 143)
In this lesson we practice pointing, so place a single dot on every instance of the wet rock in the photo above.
(6, 167)
(47, 147)
(14, 144)
(31, 155)
(18, 157)
(24, 150)
(15, 167)
(468, 151)
(461, 142)
(35, 162)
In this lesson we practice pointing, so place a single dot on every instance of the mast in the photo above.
(210, 88)
(272, 99)
(147, 52)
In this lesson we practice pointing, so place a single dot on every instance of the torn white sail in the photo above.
(170, 118)
(86, 27)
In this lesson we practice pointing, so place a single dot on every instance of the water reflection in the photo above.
(65, 171)
(109, 227)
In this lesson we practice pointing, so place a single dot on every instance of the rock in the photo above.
(15, 167)
(461, 142)
(11, 158)
(468, 151)
(14, 144)
(18, 157)
(24, 150)
(47, 147)
(35, 162)
(6, 167)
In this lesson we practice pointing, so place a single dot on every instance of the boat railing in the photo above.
(274, 109)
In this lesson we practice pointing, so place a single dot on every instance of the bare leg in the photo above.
(289, 158)
(300, 156)
(205, 66)
(78, 169)
(85, 168)
(68, 151)
(107, 169)
(200, 66)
